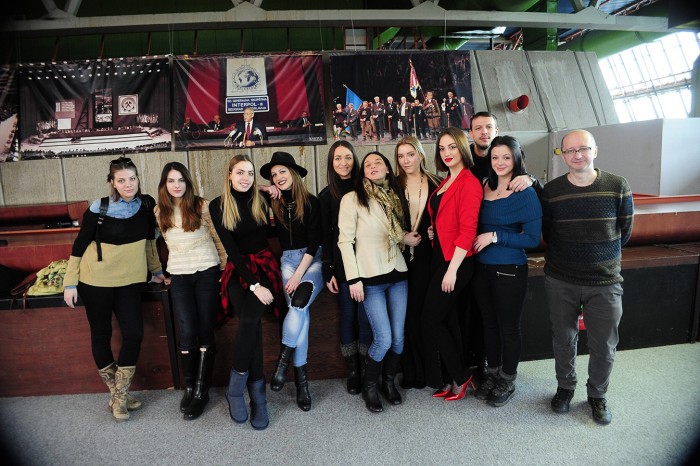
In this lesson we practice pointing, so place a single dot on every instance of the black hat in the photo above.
(281, 158)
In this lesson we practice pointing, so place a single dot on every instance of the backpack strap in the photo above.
(104, 204)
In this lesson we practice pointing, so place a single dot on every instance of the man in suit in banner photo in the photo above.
(254, 133)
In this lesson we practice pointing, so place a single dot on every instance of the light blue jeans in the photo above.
(295, 329)
(385, 306)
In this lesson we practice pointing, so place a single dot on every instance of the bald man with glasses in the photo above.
(587, 218)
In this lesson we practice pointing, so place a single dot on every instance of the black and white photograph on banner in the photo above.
(9, 114)
(381, 97)
(91, 107)
(248, 101)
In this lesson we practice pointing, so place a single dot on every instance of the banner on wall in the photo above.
(9, 110)
(248, 101)
(94, 107)
(402, 90)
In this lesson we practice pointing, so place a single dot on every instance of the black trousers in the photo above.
(125, 302)
(196, 302)
(440, 318)
(500, 294)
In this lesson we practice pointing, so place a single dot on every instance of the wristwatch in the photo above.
(494, 237)
(254, 287)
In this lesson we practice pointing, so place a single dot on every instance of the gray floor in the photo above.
(654, 398)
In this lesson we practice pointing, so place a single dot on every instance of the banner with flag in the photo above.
(413, 83)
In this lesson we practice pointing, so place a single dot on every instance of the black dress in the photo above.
(412, 359)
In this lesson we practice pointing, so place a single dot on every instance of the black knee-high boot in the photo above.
(302, 384)
(390, 365)
(189, 362)
(201, 389)
(369, 387)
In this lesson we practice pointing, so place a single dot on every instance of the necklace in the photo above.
(414, 224)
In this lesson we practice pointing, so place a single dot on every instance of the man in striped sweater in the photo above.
(587, 218)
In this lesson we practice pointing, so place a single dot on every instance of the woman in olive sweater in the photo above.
(108, 267)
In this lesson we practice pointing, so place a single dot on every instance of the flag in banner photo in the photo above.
(413, 83)
(352, 98)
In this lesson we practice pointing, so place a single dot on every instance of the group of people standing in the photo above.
(407, 254)
(379, 119)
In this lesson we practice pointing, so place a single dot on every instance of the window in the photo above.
(653, 80)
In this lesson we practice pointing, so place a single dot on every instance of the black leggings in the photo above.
(440, 318)
(248, 346)
(125, 301)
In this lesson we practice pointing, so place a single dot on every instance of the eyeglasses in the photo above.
(585, 150)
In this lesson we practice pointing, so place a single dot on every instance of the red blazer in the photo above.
(458, 213)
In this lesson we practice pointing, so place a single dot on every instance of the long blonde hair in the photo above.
(418, 147)
(229, 208)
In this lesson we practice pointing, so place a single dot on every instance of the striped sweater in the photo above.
(193, 251)
(585, 229)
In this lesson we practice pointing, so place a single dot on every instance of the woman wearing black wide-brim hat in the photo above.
(297, 216)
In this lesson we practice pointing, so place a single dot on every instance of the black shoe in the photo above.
(601, 413)
(560, 402)
(201, 389)
(354, 385)
(388, 386)
(487, 387)
(189, 362)
(370, 393)
(302, 385)
(502, 393)
(280, 376)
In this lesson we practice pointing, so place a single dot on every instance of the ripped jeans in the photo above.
(295, 329)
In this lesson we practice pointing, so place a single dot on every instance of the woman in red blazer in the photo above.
(454, 213)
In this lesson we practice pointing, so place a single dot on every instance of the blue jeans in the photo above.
(196, 302)
(385, 306)
(295, 329)
(602, 310)
(352, 315)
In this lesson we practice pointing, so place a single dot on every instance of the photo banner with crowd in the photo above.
(379, 96)
(281, 96)
(93, 107)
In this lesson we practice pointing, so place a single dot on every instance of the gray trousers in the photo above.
(602, 310)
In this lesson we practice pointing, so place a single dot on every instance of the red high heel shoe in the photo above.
(462, 390)
(442, 393)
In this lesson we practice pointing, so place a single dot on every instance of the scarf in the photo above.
(391, 204)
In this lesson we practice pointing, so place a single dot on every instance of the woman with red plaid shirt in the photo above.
(250, 284)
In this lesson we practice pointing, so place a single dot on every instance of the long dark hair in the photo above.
(362, 196)
(300, 195)
(333, 178)
(518, 159)
(462, 143)
(190, 204)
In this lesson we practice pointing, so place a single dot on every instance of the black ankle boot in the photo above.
(354, 385)
(369, 387)
(201, 390)
(302, 384)
(189, 373)
(280, 376)
(391, 363)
